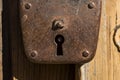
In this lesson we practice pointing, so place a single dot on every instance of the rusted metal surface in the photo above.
(60, 31)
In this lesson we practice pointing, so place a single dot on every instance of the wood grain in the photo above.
(106, 64)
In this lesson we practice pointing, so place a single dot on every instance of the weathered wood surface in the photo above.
(105, 65)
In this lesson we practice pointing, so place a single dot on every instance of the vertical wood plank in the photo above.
(106, 64)
(114, 51)
(94, 69)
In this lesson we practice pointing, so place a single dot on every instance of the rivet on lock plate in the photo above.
(60, 31)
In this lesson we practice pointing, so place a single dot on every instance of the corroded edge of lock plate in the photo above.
(78, 21)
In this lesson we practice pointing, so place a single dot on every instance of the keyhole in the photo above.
(59, 39)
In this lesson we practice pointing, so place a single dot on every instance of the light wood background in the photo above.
(106, 64)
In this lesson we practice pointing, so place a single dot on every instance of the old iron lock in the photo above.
(60, 31)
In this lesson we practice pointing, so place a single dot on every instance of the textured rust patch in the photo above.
(77, 21)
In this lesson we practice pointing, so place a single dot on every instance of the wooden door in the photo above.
(105, 65)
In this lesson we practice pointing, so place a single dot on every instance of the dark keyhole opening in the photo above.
(59, 39)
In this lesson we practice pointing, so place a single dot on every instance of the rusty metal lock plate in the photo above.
(60, 31)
